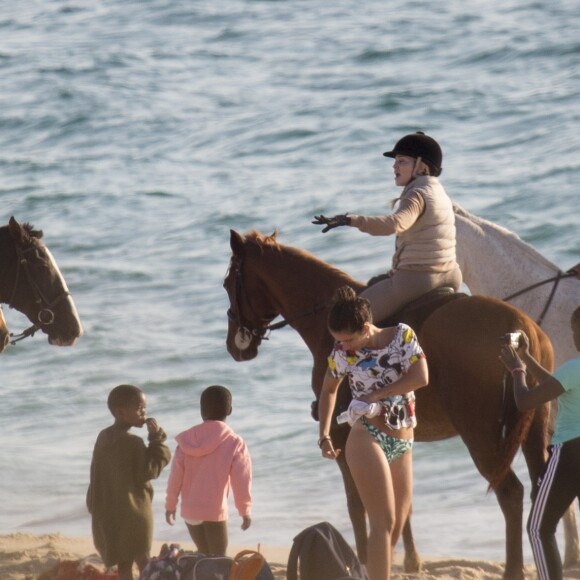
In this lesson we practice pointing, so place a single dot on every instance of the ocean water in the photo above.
(137, 134)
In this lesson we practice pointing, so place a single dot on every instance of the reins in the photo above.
(556, 280)
(30, 331)
(262, 332)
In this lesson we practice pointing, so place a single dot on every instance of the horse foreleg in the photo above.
(356, 510)
(510, 496)
(572, 546)
(412, 561)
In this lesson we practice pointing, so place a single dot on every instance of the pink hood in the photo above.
(204, 439)
(209, 459)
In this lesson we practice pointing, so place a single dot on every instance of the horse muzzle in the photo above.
(243, 339)
(66, 337)
(242, 347)
(62, 341)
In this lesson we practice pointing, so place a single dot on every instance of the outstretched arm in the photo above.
(407, 213)
(331, 222)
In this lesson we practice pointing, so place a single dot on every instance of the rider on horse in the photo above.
(424, 225)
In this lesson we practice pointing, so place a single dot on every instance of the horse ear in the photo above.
(236, 242)
(17, 232)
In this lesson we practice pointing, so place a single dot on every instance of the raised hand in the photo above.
(152, 426)
(331, 222)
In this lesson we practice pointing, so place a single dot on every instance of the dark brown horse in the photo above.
(31, 282)
(466, 394)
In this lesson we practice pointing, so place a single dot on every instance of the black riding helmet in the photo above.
(420, 145)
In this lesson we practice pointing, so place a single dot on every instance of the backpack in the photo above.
(164, 566)
(250, 565)
(247, 565)
(321, 553)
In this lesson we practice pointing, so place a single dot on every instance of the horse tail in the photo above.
(510, 445)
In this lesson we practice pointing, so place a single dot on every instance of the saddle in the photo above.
(414, 313)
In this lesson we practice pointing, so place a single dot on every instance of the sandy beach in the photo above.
(24, 556)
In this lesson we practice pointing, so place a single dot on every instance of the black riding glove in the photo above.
(331, 222)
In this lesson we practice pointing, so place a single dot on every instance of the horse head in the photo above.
(267, 279)
(32, 284)
(251, 308)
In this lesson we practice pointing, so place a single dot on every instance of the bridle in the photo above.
(246, 332)
(262, 332)
(556, 280)
(46, 314)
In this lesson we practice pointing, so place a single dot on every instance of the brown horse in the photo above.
(31, 283)
(466, 395)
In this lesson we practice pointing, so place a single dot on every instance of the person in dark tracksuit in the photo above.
(560, 483)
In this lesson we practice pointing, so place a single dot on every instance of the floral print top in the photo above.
(371, 369)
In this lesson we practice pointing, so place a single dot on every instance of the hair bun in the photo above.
(345, 294)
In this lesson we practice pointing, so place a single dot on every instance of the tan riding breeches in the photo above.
(403, 286)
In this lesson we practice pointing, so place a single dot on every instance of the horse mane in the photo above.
(28, 229)
(492, 228)
(255, 238)
(31, 231)
(262, 242)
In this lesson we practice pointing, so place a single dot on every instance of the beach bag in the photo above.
(202, 567)
(164, 566)
(321, 553)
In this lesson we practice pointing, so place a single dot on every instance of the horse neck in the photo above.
(300, 287)
(496, 262)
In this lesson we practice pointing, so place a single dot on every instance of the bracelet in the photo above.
(323, 439)
(518, 370)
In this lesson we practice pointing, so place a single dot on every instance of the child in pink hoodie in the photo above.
(209, 458)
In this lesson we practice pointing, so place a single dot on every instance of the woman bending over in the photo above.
(384, 367)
